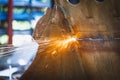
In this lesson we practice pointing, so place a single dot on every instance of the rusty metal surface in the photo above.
(91, 59)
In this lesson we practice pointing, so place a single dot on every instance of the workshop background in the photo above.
(18, 19)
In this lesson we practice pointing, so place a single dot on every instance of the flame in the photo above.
(70, 40)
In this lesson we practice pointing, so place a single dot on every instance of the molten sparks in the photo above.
(58, 45)
(65, 43)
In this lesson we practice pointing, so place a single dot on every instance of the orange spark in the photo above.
(59, 45)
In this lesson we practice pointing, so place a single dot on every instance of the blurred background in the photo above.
(21, 16)
(17, 23)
